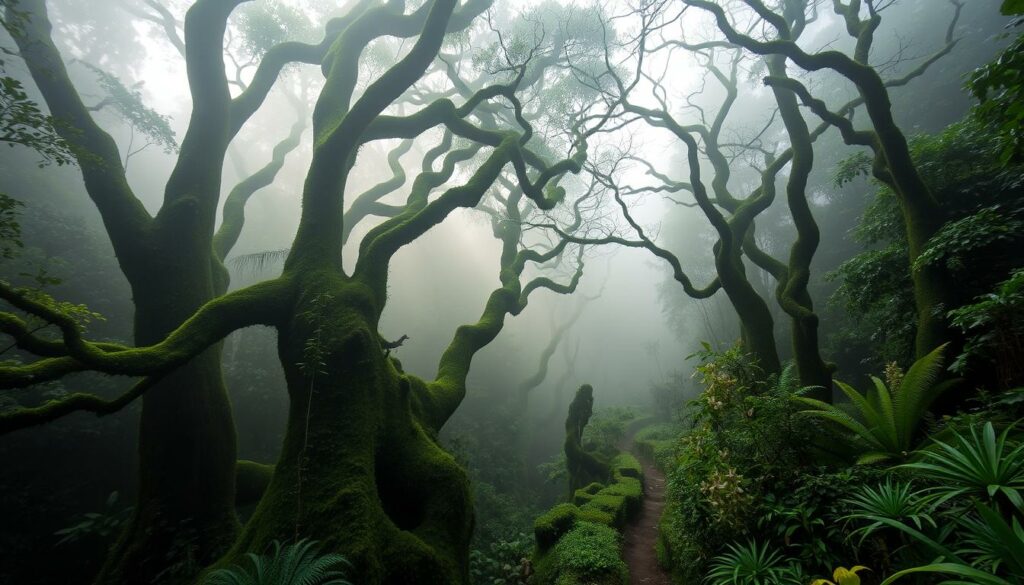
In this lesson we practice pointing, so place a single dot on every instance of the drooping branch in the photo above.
(439, 399)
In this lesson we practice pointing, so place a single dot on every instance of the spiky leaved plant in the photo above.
(889, 418)
(752, 564)
(892, 500)
(979, 465)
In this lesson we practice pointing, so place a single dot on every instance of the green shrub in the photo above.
(748, 469)
(501, 562)
(587, 554)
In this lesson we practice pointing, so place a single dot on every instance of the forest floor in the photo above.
(641, 536)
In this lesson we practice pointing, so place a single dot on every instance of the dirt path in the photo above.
(641, 536)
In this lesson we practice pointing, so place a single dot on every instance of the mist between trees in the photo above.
(291, 277)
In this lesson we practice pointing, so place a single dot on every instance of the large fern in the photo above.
(257, 262)
(293, 564)
(885, 420)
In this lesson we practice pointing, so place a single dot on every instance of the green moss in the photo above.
(587, 554)
(631, 490)
(584, 466)
(610, 504)
(585, 494)
(625, 465)
(353, 445)
(551, 525)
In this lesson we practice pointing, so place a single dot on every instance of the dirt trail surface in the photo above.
(641, 536)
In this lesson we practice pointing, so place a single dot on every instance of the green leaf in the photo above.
(1011, 7)
(961, 570)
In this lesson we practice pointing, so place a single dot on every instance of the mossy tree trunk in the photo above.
(584, 467)
(184, 515)
(360, 470)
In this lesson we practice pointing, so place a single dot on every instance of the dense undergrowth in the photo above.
(765, 487)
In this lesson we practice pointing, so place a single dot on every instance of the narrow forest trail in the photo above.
(641, 536)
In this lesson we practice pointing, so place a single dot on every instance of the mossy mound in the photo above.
(587, 554)
(656, 443)
(626, 466)
(573, 546)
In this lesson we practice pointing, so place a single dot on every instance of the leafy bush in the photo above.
(590, 552)
(983, 201)
(103, 524)
(744, 470)
(502, 562)
(995, 332)
(893, 500)
(605, 429)
(999, 87)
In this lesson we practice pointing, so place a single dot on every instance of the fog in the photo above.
(631, 327)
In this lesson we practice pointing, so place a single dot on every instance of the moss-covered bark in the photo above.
(361, 471)
(184, 513)
(584, 467)
(792, 292)
(358, 471)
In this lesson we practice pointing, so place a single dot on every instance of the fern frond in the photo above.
(913, 395)
(886, 422)
(257, 262)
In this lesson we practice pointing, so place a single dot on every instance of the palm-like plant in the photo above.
(752, 564)
(992, 542)
(889, 417)
(293, 564)
(980, 465)
(892, 500)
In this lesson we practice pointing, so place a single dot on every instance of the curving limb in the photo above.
(233, 213)
(26, 417)
(368, 204)
(258, 304)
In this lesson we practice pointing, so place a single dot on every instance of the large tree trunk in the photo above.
(923, 216)
(757, 327)
(793, 296)
(358, 472)
(184, 514)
